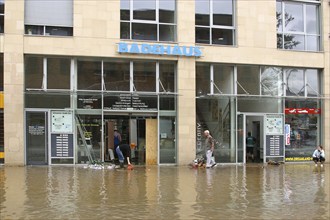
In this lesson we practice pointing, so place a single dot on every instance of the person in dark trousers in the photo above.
(124, 152)
(250, 144)
(116, 141)
(319, 155)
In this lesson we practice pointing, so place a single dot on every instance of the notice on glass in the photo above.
(62, 121)
(274, 124)
(36, 130)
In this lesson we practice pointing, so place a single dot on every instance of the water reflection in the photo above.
(226, 192)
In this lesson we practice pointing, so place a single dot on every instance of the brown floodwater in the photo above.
(290, 191)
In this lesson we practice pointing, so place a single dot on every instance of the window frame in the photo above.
(156, 22)
(282, 32)
(307, 90)
(212, 26)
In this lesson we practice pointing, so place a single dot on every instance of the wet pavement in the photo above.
(290, 191)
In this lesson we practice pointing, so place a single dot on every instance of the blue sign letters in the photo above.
(159, 49)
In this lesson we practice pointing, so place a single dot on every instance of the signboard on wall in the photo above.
(274, 135)
(159, 49)
(61, 122)
(62, 145)
(274, 124)
(303, 111)
(131, 102)
(275, 145)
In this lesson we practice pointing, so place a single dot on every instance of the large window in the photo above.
(214, 109)
(302, 82)
(214, 20)
(304, 129)
(49, 17)
(222, 91)
(298, 25)
(47, 73)
(257, 81)
(153, 20)
(51, 74)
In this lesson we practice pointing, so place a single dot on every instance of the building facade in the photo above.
(161, 72)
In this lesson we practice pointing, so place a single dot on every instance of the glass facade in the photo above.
(223, 106)
(304, 128)
(105, 94)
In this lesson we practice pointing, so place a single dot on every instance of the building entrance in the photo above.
(260, 137)
(250, 138)
(140, 130)
(36, 138)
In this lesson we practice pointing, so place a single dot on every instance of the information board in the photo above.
(62, 121)
(131, 102)
(274, 145)
(62, 145)
(274, 124)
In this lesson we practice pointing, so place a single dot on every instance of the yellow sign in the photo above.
(288, 159)
(1, 100)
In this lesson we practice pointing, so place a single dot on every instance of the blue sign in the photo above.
(159, 49)
(287, 134)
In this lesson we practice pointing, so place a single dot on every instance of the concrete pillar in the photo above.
(186, 84)
(14, 83)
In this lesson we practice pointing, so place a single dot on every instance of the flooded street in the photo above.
(291, 191)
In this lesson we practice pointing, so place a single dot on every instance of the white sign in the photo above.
(274, 124)
(62, 121)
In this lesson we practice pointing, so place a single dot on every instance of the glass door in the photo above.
(167, 146)
(36, 138)
(240, 138)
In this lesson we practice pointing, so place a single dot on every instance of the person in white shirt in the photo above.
(319, 155)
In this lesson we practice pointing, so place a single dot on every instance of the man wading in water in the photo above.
(209, 147)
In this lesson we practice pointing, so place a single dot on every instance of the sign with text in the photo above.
(62, 145)
(36, 129)
(131, 102)
(316, 111)
(274, 145)
(62, 122)
(159, 49)
(274, 124)
(287, 134)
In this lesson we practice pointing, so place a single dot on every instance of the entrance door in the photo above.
(167, 145)
(133, 129)
(254, 138)
(36, 138)
(250, 138)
